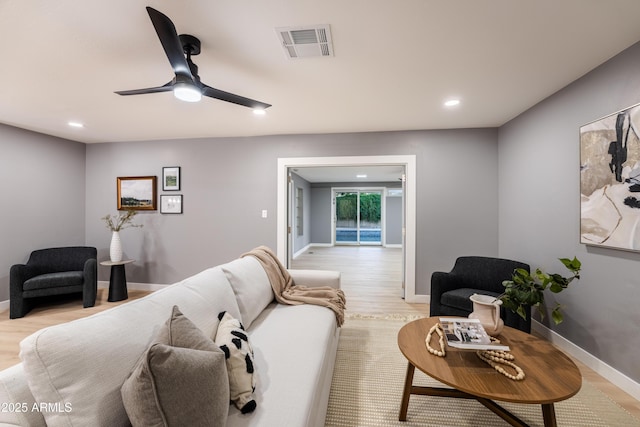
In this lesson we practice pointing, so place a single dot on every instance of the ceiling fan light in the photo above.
(259, 111)
(187, 92)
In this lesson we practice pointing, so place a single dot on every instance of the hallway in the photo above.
(371, 277)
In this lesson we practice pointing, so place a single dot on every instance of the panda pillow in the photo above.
(233, 341)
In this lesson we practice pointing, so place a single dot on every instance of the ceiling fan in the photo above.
(186, 84)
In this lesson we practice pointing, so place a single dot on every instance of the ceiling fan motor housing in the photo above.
(190, 44)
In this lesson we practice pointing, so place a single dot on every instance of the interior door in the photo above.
(290, 214)
(403, 179)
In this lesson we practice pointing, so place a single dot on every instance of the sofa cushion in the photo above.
(295, 349)
(85, 362)
(54, 280)
(251, 286)
(180, 380)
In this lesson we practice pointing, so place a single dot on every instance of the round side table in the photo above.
(117, 279)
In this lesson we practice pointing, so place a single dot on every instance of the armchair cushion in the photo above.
(459, 298)
(54, 280)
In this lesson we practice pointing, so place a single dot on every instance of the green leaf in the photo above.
(572, 264)
(556, 315)
(556, 288)
(521, 312)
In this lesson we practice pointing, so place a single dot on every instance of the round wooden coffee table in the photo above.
(550, 375)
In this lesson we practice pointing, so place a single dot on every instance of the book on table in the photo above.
(469, 334)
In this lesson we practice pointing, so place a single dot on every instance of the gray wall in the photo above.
(321, 215)
(540, 210)
(43, 196)
(322, 206)
(227, 182)
(393, 220)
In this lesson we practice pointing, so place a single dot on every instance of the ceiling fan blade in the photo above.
(230, 97)
(170, 42)
(166, 88)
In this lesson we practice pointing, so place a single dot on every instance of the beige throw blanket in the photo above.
(289, 293)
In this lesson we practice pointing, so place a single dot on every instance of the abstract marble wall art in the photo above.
(610, 181)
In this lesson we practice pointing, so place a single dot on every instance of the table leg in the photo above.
(408, 384)
(549, 415)
(117, 284)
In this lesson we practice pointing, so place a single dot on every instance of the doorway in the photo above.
(358, 217)
(284, 247)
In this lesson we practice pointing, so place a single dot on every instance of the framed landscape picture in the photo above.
(171, 178)
(137, 193)
(610, 181)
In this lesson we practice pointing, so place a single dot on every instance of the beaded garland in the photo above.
(494, 358)
(438, 329)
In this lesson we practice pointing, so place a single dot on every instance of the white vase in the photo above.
(115, 250)
(486, 309)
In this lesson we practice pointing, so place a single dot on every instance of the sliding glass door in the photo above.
(358, 217)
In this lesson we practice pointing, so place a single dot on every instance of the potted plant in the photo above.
(115, 223)
(526, 289)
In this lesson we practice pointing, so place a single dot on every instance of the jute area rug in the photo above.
(369, 377)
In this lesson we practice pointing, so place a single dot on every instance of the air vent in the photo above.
(306, 42)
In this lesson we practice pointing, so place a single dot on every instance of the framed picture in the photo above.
(137, 193)
(171, 178)
(610, 181)
(171, 204)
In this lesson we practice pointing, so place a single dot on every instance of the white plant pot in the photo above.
(115, 249)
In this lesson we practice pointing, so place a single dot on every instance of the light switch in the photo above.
(264, 213)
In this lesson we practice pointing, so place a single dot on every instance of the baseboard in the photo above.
(419, 299)
(301, 251)
(609, 373)
(309, 246)
(4, 305)
(135, 286)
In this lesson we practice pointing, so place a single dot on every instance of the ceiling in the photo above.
(394, 64)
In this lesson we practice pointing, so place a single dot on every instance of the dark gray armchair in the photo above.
(450, 291)
(53, 271)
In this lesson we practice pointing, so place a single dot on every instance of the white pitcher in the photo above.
(486, 309)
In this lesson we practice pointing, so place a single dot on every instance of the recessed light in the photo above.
(361, 176)
(75, 124)
(452, 103)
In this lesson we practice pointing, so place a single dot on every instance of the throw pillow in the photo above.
(179, 331)
(180, 380)
(233, 340)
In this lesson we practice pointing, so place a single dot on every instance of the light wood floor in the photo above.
(371, 277)
(371, 280)
(65, 309)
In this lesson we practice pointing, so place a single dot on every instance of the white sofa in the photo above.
(74, 371)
